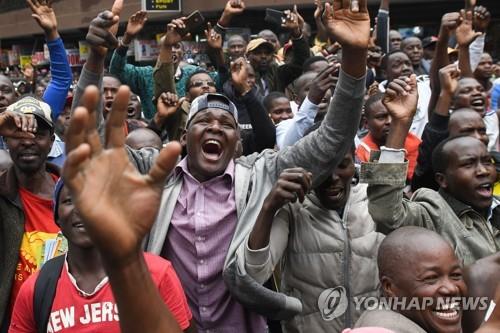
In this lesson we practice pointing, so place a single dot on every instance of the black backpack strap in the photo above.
(45, 291)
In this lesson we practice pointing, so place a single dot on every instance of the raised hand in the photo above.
(318, 12)
(239, 76)
(449, 76)
(173, 36)
(45, 17)
(324, 81)
(135, 25)
(234, 7)
(99, 36)
(291, 23)
(17, 125)
(450, 22)
(292, 185)
(214, 39)
(465, 33)
(116, 9)
(117, 203)
(168, 104)
(401, 98)
(482, 18)
(348, 23)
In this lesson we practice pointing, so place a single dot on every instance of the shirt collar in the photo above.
(182, 168)
(458, 207)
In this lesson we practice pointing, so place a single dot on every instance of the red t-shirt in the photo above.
(73, 311)
(40, 230)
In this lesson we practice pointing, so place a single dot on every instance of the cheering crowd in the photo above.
(278, 188)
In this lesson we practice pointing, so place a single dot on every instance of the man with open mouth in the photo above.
(420, 272)
(208, 203)
(460, 211)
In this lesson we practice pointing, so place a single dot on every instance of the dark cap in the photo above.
(429, 41)
(212, 101)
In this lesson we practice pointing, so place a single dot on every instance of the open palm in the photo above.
(117, 203)
(43, 14)
(348, 27)
(465, 33)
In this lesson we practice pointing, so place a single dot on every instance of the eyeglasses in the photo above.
(200, 83)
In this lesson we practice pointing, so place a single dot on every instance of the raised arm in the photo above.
(436, 129)
(269, 237)
(383, 26)
(449, 23)
(386, 178)
(138, 78)
(304, 118)
(101, 37)
(118, 206)
(300, 50)
(465, 36)
(321, 34)
(482, 18)
(164, 71)
(118, 65)
(60, 82)
(321, 151)
(264, 133)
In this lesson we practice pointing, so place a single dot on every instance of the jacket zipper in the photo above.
(347, 258)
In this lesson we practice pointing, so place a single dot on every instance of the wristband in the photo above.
(122, 44)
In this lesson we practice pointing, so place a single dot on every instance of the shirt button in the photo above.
(202, 261)
(203, 309)
(201, 238)
(202, 286)
(198, 214)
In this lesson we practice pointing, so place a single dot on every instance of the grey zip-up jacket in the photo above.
(321, 251)
(255, 175)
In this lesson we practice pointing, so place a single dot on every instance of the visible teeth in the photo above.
(446, 315)
(214, 142)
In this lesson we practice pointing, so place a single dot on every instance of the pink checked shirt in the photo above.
(198, 239)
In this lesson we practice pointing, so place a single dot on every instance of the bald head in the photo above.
(402, 249)
(143, 138)
(467, 122)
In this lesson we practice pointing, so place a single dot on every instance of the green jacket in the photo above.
(11, 233)
(471, 234)
(139, 79)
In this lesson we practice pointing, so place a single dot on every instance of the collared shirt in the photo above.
(289, 131)
(201, 230)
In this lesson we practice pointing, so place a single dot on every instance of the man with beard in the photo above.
(25, 198)
(417, 265)
(459, 211)
(207, 203)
